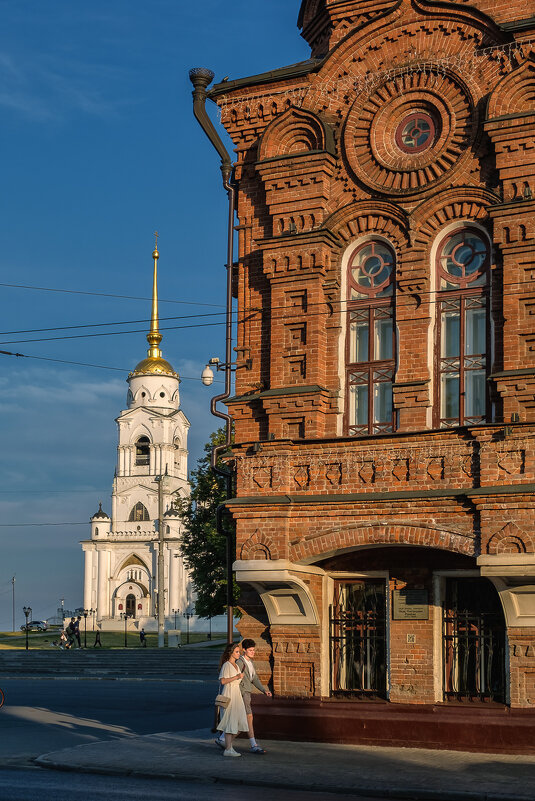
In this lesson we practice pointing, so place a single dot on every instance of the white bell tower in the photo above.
(125, 553)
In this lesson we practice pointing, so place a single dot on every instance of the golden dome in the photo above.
(153, 365)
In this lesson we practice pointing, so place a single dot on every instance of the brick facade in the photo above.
(327, 162)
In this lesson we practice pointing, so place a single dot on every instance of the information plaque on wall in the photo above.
(411, 605)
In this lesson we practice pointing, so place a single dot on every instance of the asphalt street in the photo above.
(45, 715)
(42, 715)
(27, 785)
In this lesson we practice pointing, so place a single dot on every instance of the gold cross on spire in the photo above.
(156, 235)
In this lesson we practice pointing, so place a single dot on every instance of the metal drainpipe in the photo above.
(201, 78)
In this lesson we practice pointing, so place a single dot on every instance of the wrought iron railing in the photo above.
(358, 642)
(474, 656)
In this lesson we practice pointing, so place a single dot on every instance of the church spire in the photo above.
(154, 337)
(154, 363)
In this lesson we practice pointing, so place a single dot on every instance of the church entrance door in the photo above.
(131, 605)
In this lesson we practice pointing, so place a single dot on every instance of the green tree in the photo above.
(204, 550)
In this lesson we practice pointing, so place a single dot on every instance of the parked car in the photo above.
(35, 625)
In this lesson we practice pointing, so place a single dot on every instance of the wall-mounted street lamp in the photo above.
(27, 612)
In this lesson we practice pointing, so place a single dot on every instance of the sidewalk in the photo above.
(357, 770)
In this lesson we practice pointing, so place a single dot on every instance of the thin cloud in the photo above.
(45, 88)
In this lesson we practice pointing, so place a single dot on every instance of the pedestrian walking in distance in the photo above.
(71, 632)
(97, 639)
(248, 685)
(234, 719)
(77, 630)
(142, 638)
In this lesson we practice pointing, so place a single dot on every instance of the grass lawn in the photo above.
(110, 639)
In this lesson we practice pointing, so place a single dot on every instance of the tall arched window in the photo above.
(138, 512)
(463, 328)
(370, 340)
(143, 451)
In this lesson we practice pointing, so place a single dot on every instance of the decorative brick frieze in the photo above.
(486, 459)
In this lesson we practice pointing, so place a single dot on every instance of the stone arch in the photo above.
(295, 131)
(138, 513)
(133, 560)
(319, 547)
(368, 218)
(468, 204)
(515, 93)
(510, 539)
(259, 546)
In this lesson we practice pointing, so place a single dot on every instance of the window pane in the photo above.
(359, 405)
(475, 331)
(383, 336)
(359, 339)
(474, 385)
(382, 402)
(451, 334)
(449, 395)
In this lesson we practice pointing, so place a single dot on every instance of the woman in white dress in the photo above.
(234, 719)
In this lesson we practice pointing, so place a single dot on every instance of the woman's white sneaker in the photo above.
(230, 752)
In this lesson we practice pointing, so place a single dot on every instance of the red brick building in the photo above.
(385, 391)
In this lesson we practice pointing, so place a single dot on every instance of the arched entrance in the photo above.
(473, 641)
(131, 605)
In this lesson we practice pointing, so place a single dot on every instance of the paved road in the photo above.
(49, 786)
(41, 715)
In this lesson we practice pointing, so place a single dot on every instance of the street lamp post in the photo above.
(27, 612)
(85, 613)
(160, 574)
(175, 612)
(125, 618)
(187, 615)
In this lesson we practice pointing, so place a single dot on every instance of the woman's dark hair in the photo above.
(245, 644)
(227, 652)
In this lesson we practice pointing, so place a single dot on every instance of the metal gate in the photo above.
(357, 621)
(474, 642)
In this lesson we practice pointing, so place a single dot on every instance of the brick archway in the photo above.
(340, 539)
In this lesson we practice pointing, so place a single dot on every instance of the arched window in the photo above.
(139, 512)
(370, 343)
(143, 451)
(463, 328)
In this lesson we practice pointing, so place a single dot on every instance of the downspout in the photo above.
(200, 78)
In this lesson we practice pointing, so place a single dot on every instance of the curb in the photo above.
(403, 794)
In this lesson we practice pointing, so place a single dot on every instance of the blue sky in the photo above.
(100, 148)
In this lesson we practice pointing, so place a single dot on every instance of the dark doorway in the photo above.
(473, 641)
(131, 605)
(358, 639)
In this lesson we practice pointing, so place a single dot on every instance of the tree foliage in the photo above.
(203, 549)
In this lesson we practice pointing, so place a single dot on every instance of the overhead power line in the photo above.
(24, 525)
(86, 364)
(109, 295)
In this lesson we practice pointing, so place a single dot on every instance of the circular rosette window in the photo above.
(408, 132)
